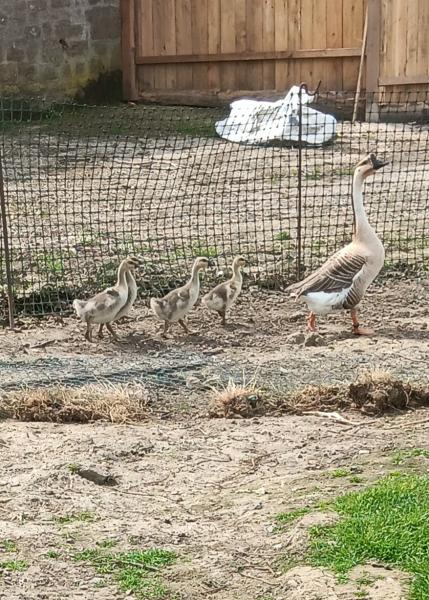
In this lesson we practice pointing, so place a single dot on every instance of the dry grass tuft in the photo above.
(238, 400)
(320, 397)
(102, 402)
(375, 392)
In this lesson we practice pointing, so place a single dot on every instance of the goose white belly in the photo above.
(322, 303)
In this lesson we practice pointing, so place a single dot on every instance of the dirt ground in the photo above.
(209, 489)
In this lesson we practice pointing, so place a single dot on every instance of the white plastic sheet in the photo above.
(256, 122)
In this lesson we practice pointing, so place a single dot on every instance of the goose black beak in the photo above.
(377, 164)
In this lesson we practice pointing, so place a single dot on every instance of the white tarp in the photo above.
(256, 122)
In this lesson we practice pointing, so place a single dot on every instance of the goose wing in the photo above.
(337, 274)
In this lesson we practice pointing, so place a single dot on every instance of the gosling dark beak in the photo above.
(377, 164)
(211, 262)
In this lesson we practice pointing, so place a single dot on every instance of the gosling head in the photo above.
(239, 261)
(369, 165)
(131, 263)
(202, 263)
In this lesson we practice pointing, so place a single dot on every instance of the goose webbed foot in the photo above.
(357, 329)
(185, 327)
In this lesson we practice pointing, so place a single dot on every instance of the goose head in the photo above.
(239, 261)
(368, 166)
(131, 263)
(202, 263)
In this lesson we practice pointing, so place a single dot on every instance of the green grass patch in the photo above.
(13, 565)
(285, 518)
(52, 554)
(8, 545)
(135, 572)
(340, 473)
(82, 517)
(388, 522)
(283, 236)
(400, 456)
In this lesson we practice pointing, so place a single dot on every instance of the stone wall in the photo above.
(59, 48)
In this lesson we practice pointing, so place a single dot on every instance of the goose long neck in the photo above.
(236, 273)
(195, 278)
(361, 224)
(122, 276)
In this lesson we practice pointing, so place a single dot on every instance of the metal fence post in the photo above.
(6, 249)
(299, 205)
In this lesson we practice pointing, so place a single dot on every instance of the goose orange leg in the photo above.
(311, 322)
(357, 329)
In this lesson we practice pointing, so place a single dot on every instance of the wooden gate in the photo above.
(199, 49)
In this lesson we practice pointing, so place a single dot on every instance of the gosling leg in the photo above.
(311, 322)
(88, 332)
(185, 327)
(166, 328)
(112, 333)
(357, 329)
(222, 314)
(100, 331)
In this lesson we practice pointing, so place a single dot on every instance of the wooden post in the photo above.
(373, 50)
(129, 84)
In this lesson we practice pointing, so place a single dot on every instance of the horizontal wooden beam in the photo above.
(404, 80)
(246, 56)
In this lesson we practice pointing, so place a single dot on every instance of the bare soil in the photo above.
(209, 489)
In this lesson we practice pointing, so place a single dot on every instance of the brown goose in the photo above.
(223, 296)
(341, 282)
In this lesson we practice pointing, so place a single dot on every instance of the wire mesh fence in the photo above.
(86, 186)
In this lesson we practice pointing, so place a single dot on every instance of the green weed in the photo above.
(13, 565)
(82, 517)
(52, 554)
(8, 546)
(133, 570)
(402, 455)
(283, 236)
(288, 517)
(340, 473)
(207, 251)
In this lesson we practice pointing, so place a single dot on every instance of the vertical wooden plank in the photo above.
(199, 15)
(159, 18)
(214, 42)
(306, 41)
(268, 44)
(334, 39)
(320, 66)
(373, 58)
(241, 73)
(412, 36)
(183, 43)
(294, 11)
(281, 15)
(254, 21)
(227, 16)
(129, 84)
(423, 51)
(353, 22)
(170, 42)
(145, 43)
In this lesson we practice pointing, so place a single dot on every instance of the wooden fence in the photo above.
(199, 50)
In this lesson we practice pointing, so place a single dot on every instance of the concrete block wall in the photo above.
(59, 48)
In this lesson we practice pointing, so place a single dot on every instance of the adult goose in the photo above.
(341, 282)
